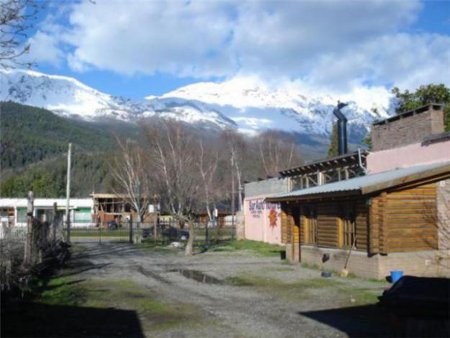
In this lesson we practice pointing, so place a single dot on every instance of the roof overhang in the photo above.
(351, 159)
(369, 184)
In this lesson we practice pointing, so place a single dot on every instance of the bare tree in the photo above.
(173, 161)
(277, 151)
(130, 171)
(16, 19)
(208, 159)
(236, 153)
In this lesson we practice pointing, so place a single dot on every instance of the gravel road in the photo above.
(237, 293)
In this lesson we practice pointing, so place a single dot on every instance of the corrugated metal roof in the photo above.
(370, 183)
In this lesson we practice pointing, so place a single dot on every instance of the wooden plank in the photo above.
(425, 243)
(411, 233)
(340, 231)
(410, 215)
(284, 227)
(407, 193)
(410, 211)
(383, 220)
(374, 233)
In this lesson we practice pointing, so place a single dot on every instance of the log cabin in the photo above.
(397, 219)
(377, 211)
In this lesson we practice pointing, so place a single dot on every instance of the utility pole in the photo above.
(232, 195)
(69, 155)
(138, 220)
(54, 222)
(29, 244)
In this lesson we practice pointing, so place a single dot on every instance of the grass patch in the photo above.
(337, 291)
(158, 246)
(120, 294)
(310, 266)
(357, 296)
(259, 248)
(250, 280)
(62, 291)
(106, 308)
(99, 233)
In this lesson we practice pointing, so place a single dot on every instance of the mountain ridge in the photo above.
(244, 104)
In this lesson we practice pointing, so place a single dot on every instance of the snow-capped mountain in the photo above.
(70, 98)
(246, 104)
(253, 106)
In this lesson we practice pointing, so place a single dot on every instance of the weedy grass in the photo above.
(260, 248)
(95, 233)
(63, 291)
(121, 294)
(158, 246)
(358, 296)
(339, 292)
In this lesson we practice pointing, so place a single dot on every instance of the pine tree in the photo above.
(431, 93)
(333, 149)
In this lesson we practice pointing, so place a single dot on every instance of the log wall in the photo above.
(327, 218)
(330, 224)
(404, 220)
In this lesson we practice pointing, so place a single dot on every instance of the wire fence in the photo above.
(165, 232)
(21, 252)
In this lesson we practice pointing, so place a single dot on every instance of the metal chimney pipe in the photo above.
(342, 128)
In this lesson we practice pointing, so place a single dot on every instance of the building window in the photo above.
(310, 215)
(82, 215)
(22, 215)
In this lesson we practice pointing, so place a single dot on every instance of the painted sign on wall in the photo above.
(257, 208)
(262, 220)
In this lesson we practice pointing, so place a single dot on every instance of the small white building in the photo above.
(13, 211)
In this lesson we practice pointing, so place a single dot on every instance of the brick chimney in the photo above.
(408, 128)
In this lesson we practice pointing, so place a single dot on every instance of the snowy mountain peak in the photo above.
(63, 95)
(244, 103)
(239, 92)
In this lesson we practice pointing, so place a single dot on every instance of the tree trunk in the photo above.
(189, 251)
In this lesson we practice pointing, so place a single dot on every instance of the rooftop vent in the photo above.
(342, 128)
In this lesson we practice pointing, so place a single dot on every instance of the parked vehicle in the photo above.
(112, 225)
(149, 232)
(173, 234)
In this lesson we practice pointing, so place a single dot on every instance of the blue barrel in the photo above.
(396, 275)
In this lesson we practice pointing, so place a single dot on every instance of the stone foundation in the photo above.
(422, 263)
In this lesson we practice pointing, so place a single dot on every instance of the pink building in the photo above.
(412, 138)
(263, 219)
(437, 149)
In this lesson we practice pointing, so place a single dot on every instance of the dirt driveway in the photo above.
(123, 290)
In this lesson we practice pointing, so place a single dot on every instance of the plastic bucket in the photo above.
(396, 275)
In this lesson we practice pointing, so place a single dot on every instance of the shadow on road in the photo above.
(356, 321)
(42, 320)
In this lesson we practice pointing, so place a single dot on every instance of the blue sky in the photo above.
(137, 48)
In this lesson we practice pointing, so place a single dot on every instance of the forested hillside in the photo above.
(33, 147)
(48, 178)
(30, 134)
(34, 144)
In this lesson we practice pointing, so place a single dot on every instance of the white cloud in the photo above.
(338, 45)
(403, 60)
(140, 36)
(45, 48)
